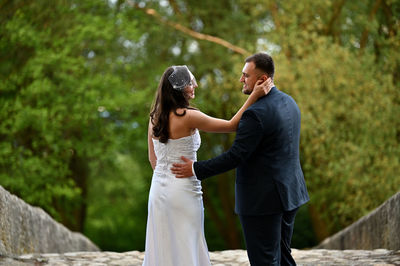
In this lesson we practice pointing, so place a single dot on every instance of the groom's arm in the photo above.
(248, 136)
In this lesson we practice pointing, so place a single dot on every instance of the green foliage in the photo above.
(116, 220)
(78, 79)
(348, 153)
(59, 88)
(349, 103)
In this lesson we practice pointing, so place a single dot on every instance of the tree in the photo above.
(333, 58)
(78, 79)
(59, 87)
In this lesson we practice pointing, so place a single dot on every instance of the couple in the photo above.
(270, 186)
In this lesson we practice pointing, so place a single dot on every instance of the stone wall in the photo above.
(379, 229)
(27, 229)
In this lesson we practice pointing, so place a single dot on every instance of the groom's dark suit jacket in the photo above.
(269, 178)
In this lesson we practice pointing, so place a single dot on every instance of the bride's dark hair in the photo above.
(167, 99)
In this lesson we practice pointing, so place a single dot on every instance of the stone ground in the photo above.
(218, 258)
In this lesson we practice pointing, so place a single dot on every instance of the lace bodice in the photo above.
(171, 152)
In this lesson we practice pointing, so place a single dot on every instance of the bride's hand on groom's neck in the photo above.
(263, 87)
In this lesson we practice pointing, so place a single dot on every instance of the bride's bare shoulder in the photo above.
(184, 111)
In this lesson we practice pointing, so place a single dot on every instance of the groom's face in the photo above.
(249, 77)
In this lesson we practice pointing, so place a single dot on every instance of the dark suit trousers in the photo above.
(268, 238)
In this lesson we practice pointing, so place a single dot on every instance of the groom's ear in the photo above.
(263, 77)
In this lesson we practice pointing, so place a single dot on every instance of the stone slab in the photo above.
(218, 258)
(27, 229)
(378, 229)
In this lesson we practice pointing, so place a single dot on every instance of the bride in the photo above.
(175, 222)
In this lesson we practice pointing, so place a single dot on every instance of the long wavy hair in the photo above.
(167, 99)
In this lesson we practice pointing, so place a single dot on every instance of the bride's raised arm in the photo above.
(197, 119)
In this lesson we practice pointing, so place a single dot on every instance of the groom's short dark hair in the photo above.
(263, 62)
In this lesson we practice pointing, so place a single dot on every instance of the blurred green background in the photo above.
(77, 79)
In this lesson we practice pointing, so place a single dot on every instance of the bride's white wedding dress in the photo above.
(175, 222)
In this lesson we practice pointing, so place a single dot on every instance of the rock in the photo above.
(379, 229)
(27, 229)
(29, 236)
(218, 258)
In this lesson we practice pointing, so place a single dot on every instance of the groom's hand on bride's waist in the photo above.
(184, 169)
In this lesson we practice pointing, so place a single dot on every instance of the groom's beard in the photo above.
(246, 90)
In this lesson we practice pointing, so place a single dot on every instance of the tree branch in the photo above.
(274, 13)
(337, 9)
(389, 19)
(364, 35)
(192, 33)
(174, 7)
(274, 9)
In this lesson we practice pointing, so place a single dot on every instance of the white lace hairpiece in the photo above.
(181, 77)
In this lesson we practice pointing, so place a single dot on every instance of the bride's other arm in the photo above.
(150, 145)
(197, 119)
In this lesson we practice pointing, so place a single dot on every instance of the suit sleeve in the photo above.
(248, 137)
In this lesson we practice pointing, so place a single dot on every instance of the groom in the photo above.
(270, 186)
